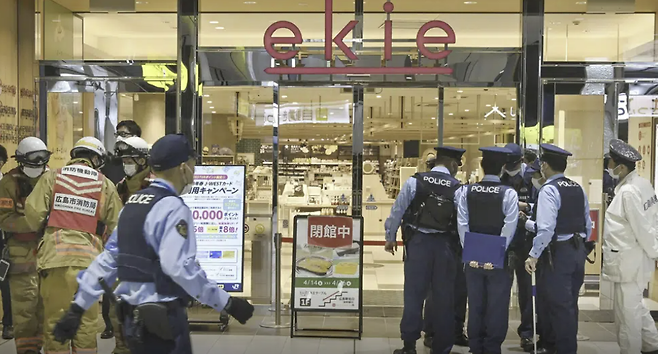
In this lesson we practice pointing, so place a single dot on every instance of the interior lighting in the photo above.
(513, 99)
(467, 110)
(212, 107)
(219, 28)
(488, 105)
(581, 2)
(379, 96)
(436, 98)
(206, 95)
(209, 101)
(250, 3)
(451, 114)
(433, 117)
(470, 2)
(460, 91)
(214, 22)
(75, 102)
(284, 96)
(213, 112)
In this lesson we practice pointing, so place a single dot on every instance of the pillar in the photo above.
(188, 116)
(530, 96)
(148, 112)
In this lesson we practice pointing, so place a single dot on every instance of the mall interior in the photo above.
(321, 136)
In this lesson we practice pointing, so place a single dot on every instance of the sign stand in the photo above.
(277, 287)
(327, 272)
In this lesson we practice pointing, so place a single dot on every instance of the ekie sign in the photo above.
(422, 39)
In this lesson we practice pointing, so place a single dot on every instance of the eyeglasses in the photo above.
(123, 134)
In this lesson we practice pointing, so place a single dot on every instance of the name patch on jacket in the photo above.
(485, 189)
(437, 181)
(75, 204)
(649, 203)
(80, 171)
(143, 199)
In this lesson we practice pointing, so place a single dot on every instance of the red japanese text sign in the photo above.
(330, 231)
(594, 215)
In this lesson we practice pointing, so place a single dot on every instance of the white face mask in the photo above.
(188, 185)
(514, 173)
(130, 170)
(33, 172)
(611, 172)
(536, 183)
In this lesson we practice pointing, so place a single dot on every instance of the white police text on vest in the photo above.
(567, 183)
(140, 199)
(485, 189)
(437, 181)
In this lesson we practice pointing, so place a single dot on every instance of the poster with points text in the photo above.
(217, 202)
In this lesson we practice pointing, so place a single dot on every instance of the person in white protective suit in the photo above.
(630, 247)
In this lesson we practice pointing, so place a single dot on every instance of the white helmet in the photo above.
(32, 151)
(134, 146)
(89, 143)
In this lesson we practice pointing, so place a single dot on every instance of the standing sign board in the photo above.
(217, 202)
(328, 266)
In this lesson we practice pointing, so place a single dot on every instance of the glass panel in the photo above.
(130, 36)
(60, 33)
(235, 131)
(66, 123)
(599, 37)
(577, 126)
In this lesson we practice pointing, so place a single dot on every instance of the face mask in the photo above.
(514, 173)
(130, 170)
(188, 185)
(536, 183)
(33, 172)
(611, 172)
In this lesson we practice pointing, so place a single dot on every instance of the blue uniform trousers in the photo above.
(559, 286)
(460, 304)
(151, 343)
(524, 283)
(429, 263)
(488, 309)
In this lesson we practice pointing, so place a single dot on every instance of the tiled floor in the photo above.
(381, 335)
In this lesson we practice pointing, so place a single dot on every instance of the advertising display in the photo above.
(217, 201)
(327, 264)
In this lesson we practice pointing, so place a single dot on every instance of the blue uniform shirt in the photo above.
(177, 258)
(549, 202)
(402, 202)
(510, 209)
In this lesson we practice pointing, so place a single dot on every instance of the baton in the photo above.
(108, 290)
(534, 311)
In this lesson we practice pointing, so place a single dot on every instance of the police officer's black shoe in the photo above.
(461, 340)
(107, 334)
(409, 348)
(428, 341)
(8, 332)
(526, 344)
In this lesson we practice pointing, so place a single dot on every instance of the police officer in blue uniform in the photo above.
(152, 251)
(488, 207)
(515, 176)
(426, 209)
(562, 225)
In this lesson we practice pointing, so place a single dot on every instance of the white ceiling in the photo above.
(465, 109)
(574, 37)
(348, 5)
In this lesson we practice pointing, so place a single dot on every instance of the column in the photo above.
(188, 116)
(530, 96)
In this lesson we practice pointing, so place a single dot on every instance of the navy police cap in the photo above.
(550, 149)
(170, 151)
(494, 152)
(535, 166)
(515, 150)
(624, 151)
(451, 152)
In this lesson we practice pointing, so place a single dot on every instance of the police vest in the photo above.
(518, 182)
(23, 190)
(76, 200)
(571, 216)
(433, 206)
(137, 260)
(485, 207)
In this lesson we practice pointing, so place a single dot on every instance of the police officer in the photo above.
(425, 207)
(75, 204)
(460, 297)
(562, 224)
(491, 208)
(32, 157)
(515, 176)
(630, 248)
(153, 253)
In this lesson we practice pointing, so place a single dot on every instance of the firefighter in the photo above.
(76, 205)
(134, 152)
(32, 157)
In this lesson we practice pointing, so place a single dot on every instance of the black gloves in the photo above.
(240, 309)
(68, 325)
